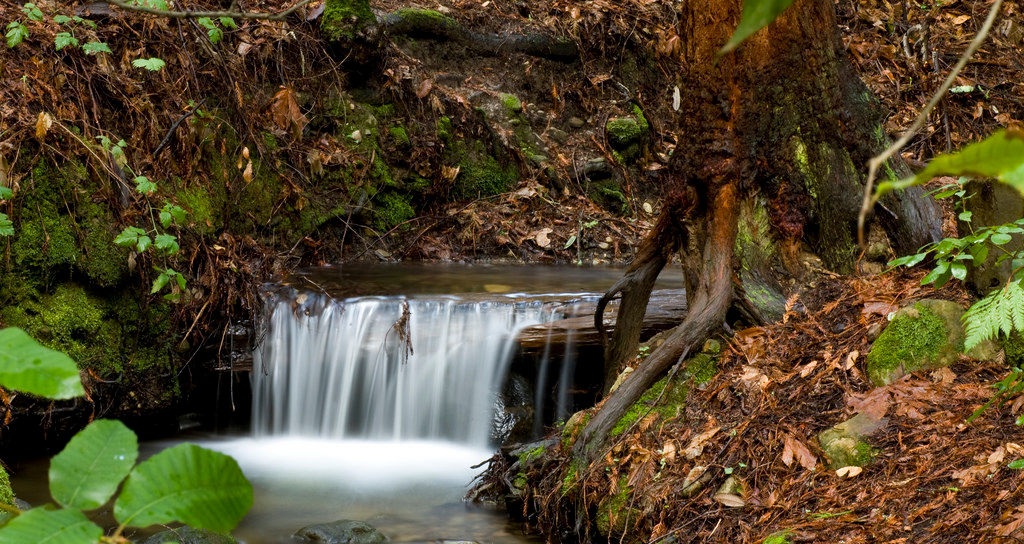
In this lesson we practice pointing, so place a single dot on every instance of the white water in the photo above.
(386, 368)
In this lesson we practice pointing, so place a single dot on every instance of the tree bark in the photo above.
(777, 136)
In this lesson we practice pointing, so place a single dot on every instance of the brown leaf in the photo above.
(424, 89)
(880, 308)
(285, 112)
(794, 449)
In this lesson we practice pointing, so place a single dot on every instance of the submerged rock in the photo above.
(340, 532)
(923, 336)
(188, 535)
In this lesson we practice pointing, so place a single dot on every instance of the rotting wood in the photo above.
(665, 309)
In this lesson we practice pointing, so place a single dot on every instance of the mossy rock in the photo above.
(846, 444)
(628, 135)
(923, 336)
(188, 535)
(343, 19)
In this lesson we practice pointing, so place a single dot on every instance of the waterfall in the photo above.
(385, 367)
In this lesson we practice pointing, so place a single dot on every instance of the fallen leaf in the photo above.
(284, 110)
(943, 375)
(794, 449)
(424, 89)
(961, 19)
(541, 237)
(849, 472)
(730, 500)
(696, 445)
(880, 308)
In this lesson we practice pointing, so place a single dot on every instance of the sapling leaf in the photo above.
(64, 39)
(143, 243)
(144, 186)
(95, 48)
(65, 526)
(152, 64)
(757, 14)
(87, 472)
(196, 486)
(16, 33)
(167, 243)
(29, 367)
(6, 226)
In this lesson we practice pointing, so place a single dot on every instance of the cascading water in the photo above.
(386, 367)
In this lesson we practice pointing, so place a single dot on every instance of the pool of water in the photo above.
(411, 491)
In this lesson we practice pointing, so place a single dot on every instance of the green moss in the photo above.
(103, 261)
(608, 194)
(779, 537)
(342, 19)
(391, 210)
(6, 493)
(669, 405)
(384, 111)
(400, 136)
(512, 104)
(444, 129)
(569, 480)
(614, 512)
(907, 341)
(270, 142)
(572, 428)
(1013, 347)
(702, 368)
(425, 18)
(623, 131)
(200, 205)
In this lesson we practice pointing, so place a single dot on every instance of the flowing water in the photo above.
(375, 396)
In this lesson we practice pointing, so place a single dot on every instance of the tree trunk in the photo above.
(777, 136)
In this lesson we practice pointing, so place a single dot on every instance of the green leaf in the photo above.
(143, 244)
(165, 218)
(152, 64)
(144, 186)
(1002, 310)
(570, 241)
(64, 39)
(16, 33)
(159, 283)
(52, 527)
(27, 366)
(95, 48)
(6, 227)
(129, 236)
(958, 270)
(1016, 465)
(199, 487)
(1000, 156)
(62, 19)
(1000, 238)
(228, 22)
(173, 212)
(6, 193)
(32, 11)
(757, 14)
(965, 216)
(87, 472)
(167, 243)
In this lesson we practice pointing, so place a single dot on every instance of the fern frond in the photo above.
(1001, 310)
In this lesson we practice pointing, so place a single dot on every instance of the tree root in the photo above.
(636, 285)
(711, 300)
(429, 24)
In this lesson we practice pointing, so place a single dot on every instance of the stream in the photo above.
(375, 389)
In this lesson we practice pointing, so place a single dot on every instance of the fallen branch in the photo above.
(189, 14)
(429, 24)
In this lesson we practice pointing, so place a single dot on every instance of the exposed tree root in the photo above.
(636, 285)
(710, 302)
(428, 24)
